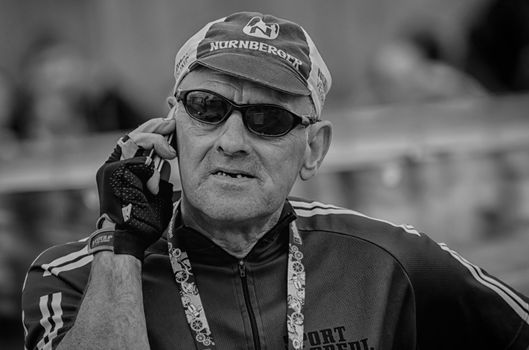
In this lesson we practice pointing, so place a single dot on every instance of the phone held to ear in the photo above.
(160, 164)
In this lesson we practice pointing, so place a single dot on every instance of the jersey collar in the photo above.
(202, 249)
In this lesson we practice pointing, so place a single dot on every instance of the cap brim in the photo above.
(261, 71)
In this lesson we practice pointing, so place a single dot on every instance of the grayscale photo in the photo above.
(281, 175)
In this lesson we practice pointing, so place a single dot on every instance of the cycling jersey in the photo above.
(370, 285)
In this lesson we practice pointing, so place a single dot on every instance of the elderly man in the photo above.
(230, 262)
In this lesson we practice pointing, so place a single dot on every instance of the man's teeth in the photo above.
(238, 176)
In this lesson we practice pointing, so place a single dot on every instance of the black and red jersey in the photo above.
(370, 285)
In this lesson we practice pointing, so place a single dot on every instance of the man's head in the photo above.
(237, 162)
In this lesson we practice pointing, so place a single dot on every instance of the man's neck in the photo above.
(236, 238)
(236, 245)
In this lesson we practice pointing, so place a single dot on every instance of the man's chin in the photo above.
(219, 204)
(234, 206)
(232, 209)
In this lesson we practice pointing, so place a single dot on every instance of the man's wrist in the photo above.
(119, 242)
(101, 240)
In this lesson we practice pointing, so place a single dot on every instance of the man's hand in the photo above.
(131, 194)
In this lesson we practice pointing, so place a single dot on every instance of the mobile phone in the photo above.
(160, 164)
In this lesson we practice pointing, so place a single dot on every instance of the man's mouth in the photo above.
(235, 175)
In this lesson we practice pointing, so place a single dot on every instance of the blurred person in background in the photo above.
(63, 95)
(411, 69)
(67, 94)
(232, 262)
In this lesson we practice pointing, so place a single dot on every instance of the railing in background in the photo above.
(362, 139)
(431, 164)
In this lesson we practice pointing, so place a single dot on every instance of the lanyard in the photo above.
(195, 313)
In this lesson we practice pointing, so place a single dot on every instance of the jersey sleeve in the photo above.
(52, 293)
(458, 302)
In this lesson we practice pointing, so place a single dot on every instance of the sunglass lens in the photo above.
(205, 106)
(269, 121)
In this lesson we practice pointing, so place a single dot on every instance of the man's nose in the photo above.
(234, 138)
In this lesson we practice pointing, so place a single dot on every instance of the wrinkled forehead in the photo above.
(243, 91)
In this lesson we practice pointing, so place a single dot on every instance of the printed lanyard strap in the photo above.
(195, 313)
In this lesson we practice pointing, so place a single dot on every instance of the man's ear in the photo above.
(318, 143)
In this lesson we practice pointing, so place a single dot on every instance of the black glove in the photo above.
(140, 216)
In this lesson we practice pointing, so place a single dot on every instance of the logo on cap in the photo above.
(256, 27)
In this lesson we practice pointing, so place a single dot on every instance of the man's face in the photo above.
(228, 174)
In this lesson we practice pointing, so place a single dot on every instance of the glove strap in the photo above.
(101, 240)
(129, 244)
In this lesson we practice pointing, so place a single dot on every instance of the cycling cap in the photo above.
(261, 48)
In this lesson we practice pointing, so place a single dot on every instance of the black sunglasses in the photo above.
(260, 119)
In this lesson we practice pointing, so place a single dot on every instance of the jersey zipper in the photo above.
(251, 315)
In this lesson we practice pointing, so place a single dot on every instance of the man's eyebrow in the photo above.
(282, 96)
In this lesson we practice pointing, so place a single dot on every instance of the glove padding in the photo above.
(139, 216)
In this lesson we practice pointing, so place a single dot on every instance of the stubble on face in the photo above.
(248, 184)
(255, 197)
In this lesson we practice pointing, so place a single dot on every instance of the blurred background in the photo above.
(430, 102)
